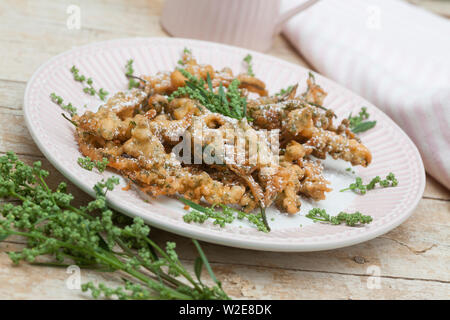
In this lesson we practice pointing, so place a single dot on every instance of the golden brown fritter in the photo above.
(138, 130)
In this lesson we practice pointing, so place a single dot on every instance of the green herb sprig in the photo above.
(60, 102)
(359, 187)
(93, 237)
(248, 59)
(185, 51)
(200, 214)
(132, 83)
(88, 84)
(350, 219)
(357, 123)
(284, 91)
(88, 164)
(229, 103)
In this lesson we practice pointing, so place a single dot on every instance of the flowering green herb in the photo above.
(248, 59)
(132, 83)
(60, 102)
(350, 219)
(229, 103)
(359, 187)
(88, 164)
(185, 51)
(93, 237)
(357, 123)
(284, 91)
(88, 84)
(200, 214)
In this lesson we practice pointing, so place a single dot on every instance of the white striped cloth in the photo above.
(393, 54)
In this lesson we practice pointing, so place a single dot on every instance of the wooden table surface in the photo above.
(410, 262)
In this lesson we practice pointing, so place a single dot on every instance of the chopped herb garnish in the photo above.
(88, 164)
(132, 83)
(359, 187)
(350, 219)
(88, 84)
(357, 123)
(229, 103)
(60, 102)
(200, 214)
(248, 59)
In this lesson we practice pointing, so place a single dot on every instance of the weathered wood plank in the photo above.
(262, 283)
(24, 36)
(11, 94)
(26, 281)
(418, 249)
(435, 190)
(249, 282)
(14, 135)
(441, 7)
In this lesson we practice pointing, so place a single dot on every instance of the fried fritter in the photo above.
(138, 132)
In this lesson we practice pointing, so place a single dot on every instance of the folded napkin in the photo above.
(392, 53)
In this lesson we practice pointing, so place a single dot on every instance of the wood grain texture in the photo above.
(413, 260)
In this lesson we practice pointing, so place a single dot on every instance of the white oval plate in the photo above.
(392, 150)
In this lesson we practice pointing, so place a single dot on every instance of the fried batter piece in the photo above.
(167, 82)
(138, 130)
(305, 123)
(143, 159)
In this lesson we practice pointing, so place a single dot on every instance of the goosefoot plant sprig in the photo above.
(88, 84)
(89, 164)
(357, 123)
(350, 219)
(284, 91)
(359, 187)
(229, 103)
(91, 237)
(60, 102)
(129, 70)
(227, 215)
